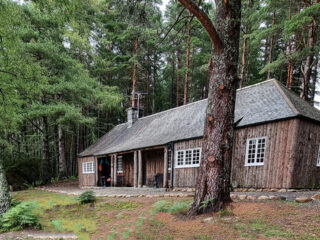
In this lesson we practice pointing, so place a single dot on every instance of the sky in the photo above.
(163, 5)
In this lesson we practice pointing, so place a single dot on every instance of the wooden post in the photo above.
(165, 167)
(140, 169)
(115, 170)
(95, 165)
(112, 170)
(135, 169)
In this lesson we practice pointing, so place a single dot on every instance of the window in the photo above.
(255, 151)
(318, 160)
(188, 158)
(169, 159)
(119, 164)
(180, 158)
(88, 167)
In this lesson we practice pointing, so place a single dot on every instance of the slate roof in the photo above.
(263, 102)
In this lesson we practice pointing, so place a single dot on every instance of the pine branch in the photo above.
(205, 21)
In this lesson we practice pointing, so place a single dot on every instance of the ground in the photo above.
(141, 218)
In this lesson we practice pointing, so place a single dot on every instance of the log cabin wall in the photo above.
(125, 178)
(186, 177)
(306, 173)
(86, 179)
(153, 164)
(277, 169)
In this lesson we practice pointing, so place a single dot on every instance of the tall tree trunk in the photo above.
(148, 85)
(46, 163)
(186, 80)
(4, 191)
(172, 80)
(134, 75)
(271, 45)
(314, 78)
(306, 72)
(290, 64)
(191, 78)
(296, 47)
(213, 185)
(244, 50)
(62, 153)
(178, 78)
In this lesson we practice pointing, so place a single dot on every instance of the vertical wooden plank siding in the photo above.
(127, 174)
(275, 173)
(306, 174)
(165, 167)
(186, 177)
(87, 179)
(154, 164)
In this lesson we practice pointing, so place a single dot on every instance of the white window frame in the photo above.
(255, 163)
(88, 167)
(318, 158)
(184, 165)
(118, 158)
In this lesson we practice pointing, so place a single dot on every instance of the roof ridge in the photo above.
(284, 95)
(256, 84)
(171, 109)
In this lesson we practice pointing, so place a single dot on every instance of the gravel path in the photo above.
(111, 191)
(290, 196)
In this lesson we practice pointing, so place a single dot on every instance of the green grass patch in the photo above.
(119, 205)
(46, 200)
(171, 207)
(258, 226)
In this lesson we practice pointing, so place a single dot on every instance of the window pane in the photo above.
(260, 150)
(251, 151)
(180, 156)
(119, 164)
(196, 156)
(188, 157)
(169, 158)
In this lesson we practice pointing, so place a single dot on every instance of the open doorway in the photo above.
(104, 171)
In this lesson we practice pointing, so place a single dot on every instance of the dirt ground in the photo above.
(137, 218)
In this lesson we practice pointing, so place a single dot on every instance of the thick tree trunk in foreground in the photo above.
(4, 191)
(213, 185)
(46, 163)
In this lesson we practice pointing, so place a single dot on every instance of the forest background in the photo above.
(68, 69)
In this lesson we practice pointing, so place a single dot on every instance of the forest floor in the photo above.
(140, 218)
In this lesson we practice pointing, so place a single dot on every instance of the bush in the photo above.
(179, 207)
(161, 206)
(19, 217)
(87, 197)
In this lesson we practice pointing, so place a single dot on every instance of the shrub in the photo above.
(169, 207)
(179, 207)
(19, 217)
(161, 206)
(87, 197)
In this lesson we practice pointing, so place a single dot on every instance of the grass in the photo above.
(260, 227)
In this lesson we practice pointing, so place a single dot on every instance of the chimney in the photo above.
(133, 113)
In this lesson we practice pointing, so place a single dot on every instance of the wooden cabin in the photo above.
(276, 144)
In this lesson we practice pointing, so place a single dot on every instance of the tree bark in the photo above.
(306, 73)
(185, 95)
(213, 185)
(62, 153)
(244, 50)
(178, 78)
(4, 191)
(46, 163)
(271, 45)
(134, 75)
(172, 80)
